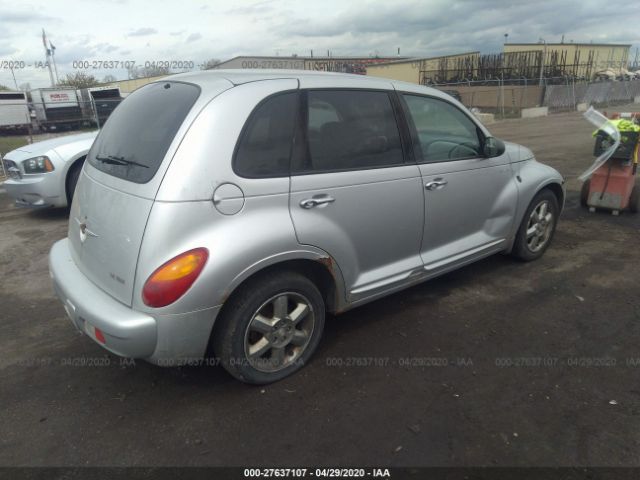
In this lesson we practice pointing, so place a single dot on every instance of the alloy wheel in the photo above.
(279, 332)
(540, 226)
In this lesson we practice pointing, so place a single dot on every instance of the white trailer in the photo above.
(57, 108)
(99, 102)
(14, 111)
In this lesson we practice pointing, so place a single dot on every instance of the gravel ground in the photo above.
(499, 363)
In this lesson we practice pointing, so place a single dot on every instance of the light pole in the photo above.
(14, 76)
(542, 58)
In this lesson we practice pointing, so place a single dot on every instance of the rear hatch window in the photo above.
(135, 139)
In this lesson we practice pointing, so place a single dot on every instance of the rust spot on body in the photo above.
(327, 262)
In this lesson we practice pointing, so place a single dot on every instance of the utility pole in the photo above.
(53, 58)
(542, 58)
(47, 52)
(14, 77)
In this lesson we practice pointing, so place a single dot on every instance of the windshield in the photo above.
(135, 139)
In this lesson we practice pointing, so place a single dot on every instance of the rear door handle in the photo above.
(436, 184)
(316, 202)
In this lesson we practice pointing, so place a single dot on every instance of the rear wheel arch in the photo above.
(73, 172)
(270, 329)
(318, 271)
(223, 336)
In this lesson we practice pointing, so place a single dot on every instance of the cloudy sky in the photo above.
(197, 30)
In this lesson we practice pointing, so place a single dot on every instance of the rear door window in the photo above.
(135, 139)
(349, 130)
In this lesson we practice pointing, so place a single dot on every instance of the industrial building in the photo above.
(518, 61)
(128, 86)
(578, 60)
(356, 65)
(427, 70)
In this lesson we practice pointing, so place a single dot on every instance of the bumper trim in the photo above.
(127, 333)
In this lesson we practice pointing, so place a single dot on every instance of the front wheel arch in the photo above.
(557, 190)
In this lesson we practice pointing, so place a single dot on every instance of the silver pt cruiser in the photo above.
(225, 212)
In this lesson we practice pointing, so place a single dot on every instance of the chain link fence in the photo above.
(507, 98)
(20, 118)
(599, 94)
(24, 122)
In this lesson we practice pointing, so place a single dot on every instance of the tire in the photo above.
(528, 247)
(584, 193)
(282, 343)
(634, 199)
(72, 180)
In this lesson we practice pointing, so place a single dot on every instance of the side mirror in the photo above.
(493, 147)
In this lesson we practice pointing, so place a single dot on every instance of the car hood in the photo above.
(53, 143)
(518, 153)
(65, 146)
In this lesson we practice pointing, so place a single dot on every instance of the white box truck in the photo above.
(57, 108)
(14, 112)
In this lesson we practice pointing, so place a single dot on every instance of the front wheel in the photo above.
(269, 328)
(537, 227)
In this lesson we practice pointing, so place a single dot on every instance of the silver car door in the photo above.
(352, 194)
(470, 200)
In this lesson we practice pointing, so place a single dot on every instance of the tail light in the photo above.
(170, 281)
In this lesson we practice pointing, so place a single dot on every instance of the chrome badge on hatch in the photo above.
(84, 231)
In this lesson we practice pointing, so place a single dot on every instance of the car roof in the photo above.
(240, 76)
(212, 79)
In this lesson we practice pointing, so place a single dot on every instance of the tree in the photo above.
(4, 87)
(109, 79)
(209, 64)
(79, 80)
(150, 71)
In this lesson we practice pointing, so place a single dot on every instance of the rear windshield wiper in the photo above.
(113, 160)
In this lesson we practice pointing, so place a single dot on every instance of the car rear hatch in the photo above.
(124, 169)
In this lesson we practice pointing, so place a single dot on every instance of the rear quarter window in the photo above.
(264, 149)
(135, 139)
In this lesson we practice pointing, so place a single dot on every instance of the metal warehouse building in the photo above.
(328, 64)
(518, 61)
(128, 86)
(426, 70)
(582, 60)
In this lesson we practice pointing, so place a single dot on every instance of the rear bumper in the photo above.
(126, 332)
(162, 339)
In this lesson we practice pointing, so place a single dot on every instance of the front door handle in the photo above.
(436, 184)
(316, 202)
